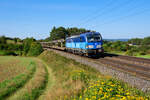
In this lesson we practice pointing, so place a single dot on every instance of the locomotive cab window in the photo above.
(68, 40)
(94, 38)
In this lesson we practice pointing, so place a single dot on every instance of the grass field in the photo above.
(137, 55)
(118, 52)
(15, 72)
(12, 42)
(22, 78)
(2, 52)
(53, 77)
(12, 66)
(34, 87)
(144, 56)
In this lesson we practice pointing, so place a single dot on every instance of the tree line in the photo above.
(32, 47)
(140, 41)
(135, 46)
(62, 32)
(16, 46)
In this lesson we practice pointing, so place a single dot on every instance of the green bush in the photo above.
(10, 53)
(142, 53)
(130, 53)
(6, 53)
(146, 41)
(3, 40)
(27, 45)
(15, 47)
(10, 47)
(3, 47)
(35, 49)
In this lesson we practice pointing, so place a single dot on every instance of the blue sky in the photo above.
(112, 18)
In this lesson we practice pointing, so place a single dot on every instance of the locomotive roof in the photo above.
(90, 33)
(83, 34)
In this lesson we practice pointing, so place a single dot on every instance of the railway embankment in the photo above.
(76, 81)
(129, 74)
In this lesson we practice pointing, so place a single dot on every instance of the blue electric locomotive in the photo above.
(85, 43)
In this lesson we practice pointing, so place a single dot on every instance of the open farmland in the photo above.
(34, 87)
(22, 78)
(14, 73)
(12, 66)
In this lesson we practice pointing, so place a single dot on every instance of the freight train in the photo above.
(89, 43)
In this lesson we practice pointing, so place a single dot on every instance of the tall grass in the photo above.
(7, 87)
(34, 87)
(36, 92)
(64, 71)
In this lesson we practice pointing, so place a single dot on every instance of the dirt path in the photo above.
(51, 81)
(35, 86)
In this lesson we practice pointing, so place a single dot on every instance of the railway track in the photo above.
(138, 67)
(136, 70)
(129, 59)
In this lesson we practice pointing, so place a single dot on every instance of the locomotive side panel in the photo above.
(87, 43)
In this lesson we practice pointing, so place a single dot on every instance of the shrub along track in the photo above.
(35, 86)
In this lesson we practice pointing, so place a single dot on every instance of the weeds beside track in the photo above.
(74, 79)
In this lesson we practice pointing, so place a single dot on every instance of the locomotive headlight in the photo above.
(98, 46)
(89, 46)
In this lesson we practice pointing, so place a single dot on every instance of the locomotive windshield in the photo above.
(94, 38)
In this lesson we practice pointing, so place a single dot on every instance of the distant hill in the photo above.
(116, 39)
